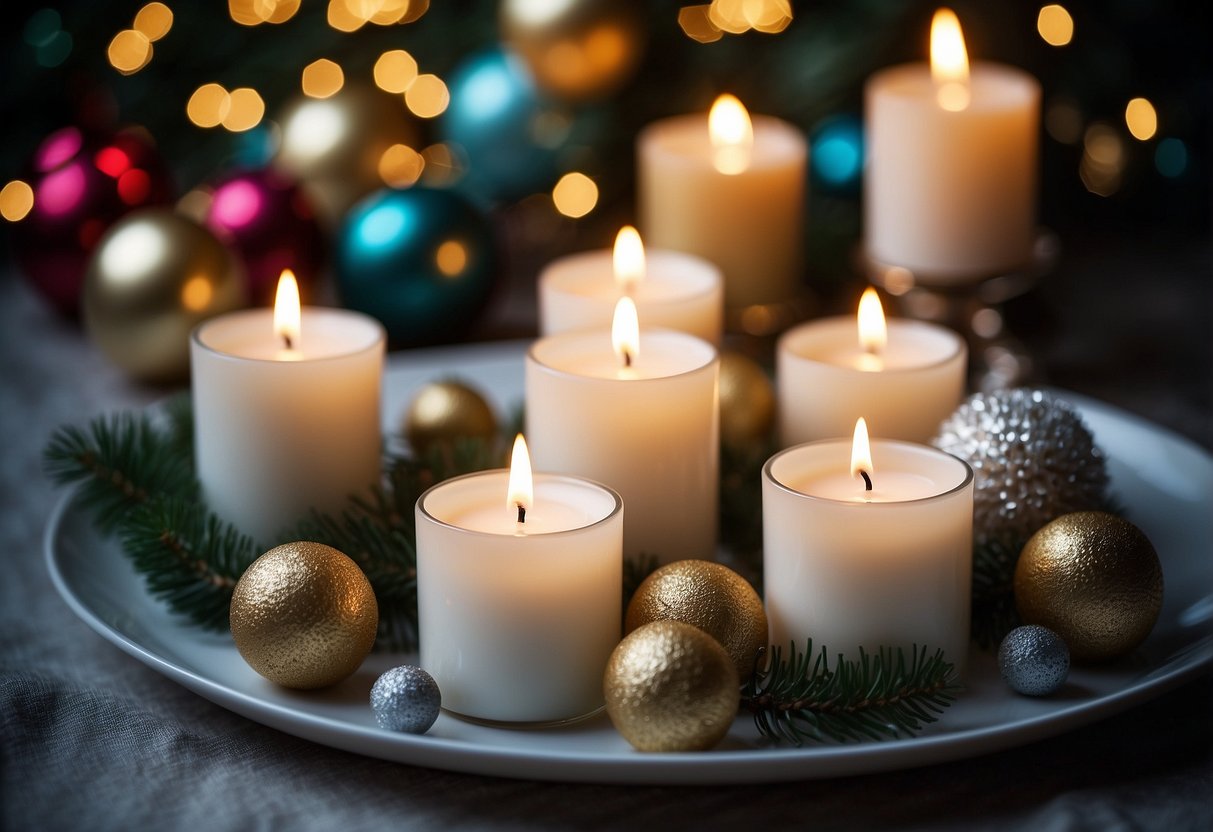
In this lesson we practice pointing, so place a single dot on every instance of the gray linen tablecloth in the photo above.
(92, 739)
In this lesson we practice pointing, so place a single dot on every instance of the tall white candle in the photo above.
(905, 382)
(950, 189)
(517, 619)
(853, 568)
(734, 196)
(671, 289)
(280, 430)
(648, 428)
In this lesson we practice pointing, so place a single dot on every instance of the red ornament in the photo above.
(269, 222)
(82, 183)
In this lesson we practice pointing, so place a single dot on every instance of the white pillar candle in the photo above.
(518, 619)
(852, 568)
(649, 430)
(734, 197)
(950, 189)
(905, 377)
(671, 289)
(279, 430)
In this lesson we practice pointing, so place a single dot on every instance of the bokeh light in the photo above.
(697, 24)
(1103, 160)
(729, 16)
(427, 96)
(42, 27)
(767, 16)
(400, 166)
(343, 15)
(129, 51)
(154, 20)
(276, 11)
(451, 258)
(395, 71)
(442, 165)
(837, 151)
(322, 78)
(209, 105)
(1141, 119)
(1171, 157)
(16, 200)
(244, 12)
(1055, 25)
(246, 110)
(1063, 120)
(575, 195)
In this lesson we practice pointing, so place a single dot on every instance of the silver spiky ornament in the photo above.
(1033, 459)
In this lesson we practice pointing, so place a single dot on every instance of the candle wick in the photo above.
(867, 481)
(287, 340)
(521, 513)
(627, 358)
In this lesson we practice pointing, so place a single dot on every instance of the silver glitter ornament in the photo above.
(1033, 459)
(1034, 660)
(406, 698)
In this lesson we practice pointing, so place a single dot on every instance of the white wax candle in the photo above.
(517, 621)
(826, 381)
(650, 431)
(950, 194)
(851, 568)
(280, 431)
(678, 291)
(747, 219)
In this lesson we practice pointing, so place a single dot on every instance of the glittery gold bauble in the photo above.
(747, 400)
(709, 596)
(303, 615)
(1095, 580)
(671, 687)
(444, 411)
(333, 146)
(577, 49)
(153, 277)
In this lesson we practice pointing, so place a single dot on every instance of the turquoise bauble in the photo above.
(422, 261)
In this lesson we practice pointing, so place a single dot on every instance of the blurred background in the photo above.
(281, 126)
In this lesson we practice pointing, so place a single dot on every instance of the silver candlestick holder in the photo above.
(972, 307)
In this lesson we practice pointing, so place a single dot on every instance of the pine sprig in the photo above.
(993, 610)
(877, 697)
(122, 460)
(189, 557)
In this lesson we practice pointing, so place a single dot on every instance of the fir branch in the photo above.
(188, 557)
(993, 612)
(878, 697)
(121, 460)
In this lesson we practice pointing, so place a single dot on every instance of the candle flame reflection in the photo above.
(287, 323)
(625, 331)
(732, 135)
(522, 484)
(861, 452)
(629, 258)
(949, 62)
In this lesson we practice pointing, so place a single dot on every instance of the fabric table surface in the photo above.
(92, 739)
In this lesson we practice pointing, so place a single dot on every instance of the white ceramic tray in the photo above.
(1165, 481)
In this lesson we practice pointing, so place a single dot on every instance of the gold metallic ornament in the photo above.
(671, 687)
(576, 49)
(152, 278)
(1095, 580)
(304, 616)
(444, 411)
(709, 596)
(333, 146)
(747, 400)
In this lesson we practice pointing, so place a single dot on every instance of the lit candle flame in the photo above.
(629, 258)
(287, 316)
(949, 62)
(625, 331)
(873, 333)
(732, 135)
(861, 454)
(522, 483)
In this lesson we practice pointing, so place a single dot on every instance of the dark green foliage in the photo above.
(993, 602)
(878, 697)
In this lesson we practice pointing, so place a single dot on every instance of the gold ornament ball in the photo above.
(444, 411)
(333, 146)
(1095, 580)
(304, 616)
(747, 400)
(709, 596)
(578, 49)
(152, 278)
(671, 687)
